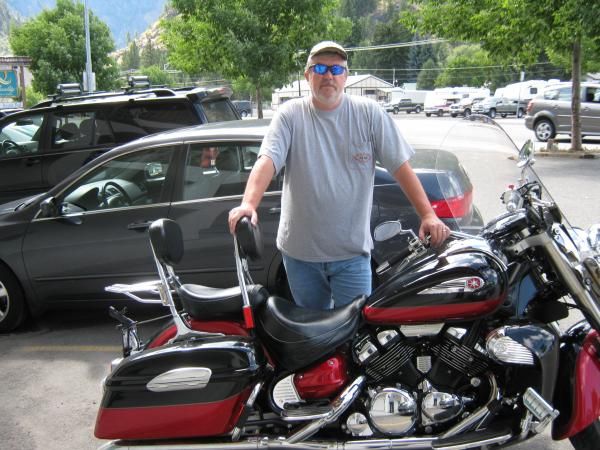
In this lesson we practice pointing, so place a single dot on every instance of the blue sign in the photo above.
(8, 83)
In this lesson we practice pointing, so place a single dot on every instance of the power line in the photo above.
(396, 45)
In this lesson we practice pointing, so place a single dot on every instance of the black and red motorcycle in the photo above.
(457, 347)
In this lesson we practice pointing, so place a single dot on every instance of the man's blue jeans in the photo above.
(328, 285)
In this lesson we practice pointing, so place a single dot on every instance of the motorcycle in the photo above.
(457, 347)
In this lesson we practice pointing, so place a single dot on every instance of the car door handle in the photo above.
(32, 161)
(276, 210)
(139, 226)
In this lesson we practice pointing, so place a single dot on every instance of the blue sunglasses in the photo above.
(321, 69)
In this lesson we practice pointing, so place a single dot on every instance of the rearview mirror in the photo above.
(526, 154)
(387, 230)
(48, 207)
(154, 170)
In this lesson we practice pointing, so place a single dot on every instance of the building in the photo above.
(364, 85)
(14, 76)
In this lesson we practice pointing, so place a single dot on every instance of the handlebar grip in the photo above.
(393, 260)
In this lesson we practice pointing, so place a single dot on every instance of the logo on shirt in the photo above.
(361, 157)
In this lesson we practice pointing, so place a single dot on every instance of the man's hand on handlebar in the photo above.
(238, 212)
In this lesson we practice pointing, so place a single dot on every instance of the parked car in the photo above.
(89, 231)
(492, 106)
(464, 107)
(7, 111)
(243, 107)
(41, 146)
(405, 104)
(550, 113)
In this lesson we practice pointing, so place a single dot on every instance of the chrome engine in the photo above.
(415, 383)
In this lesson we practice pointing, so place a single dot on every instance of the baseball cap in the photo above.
(328, 47)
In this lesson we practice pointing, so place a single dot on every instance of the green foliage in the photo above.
(158, 77)
(427, 75)
(385, 32)
(55, 41)
(131, 57)
(153, 55)
(33, 97)
(261, 40)
(515, 32)
(482, 71)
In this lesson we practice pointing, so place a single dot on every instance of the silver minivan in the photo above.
(550, 113)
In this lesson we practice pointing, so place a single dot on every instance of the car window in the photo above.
(218, 170)
(136, 178)
(562, 94)
(129, 122)
(79, 129)
(21, 136)
(217, 111)
(592, 95)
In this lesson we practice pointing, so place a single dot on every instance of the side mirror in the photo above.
(48, 207)
(389, 229)
(526, 154)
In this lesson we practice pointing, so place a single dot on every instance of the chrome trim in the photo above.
(456, 285)
(428, 329)
(97, 211)
(285, 392)
(505, 349)
(218, 199)
(180, 379)
(338, 406)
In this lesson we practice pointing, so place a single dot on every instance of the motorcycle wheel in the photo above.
(12, 301)
(588, 438)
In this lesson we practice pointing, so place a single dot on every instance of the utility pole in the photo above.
(88, 79)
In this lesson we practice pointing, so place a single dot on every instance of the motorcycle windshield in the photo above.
(491, 161)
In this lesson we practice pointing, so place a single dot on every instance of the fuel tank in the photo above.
(466, 280)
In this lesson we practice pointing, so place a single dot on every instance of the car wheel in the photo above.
(467, 112)
(454, 115)
(492, 113)
(418, 109)
(440, 113)
(503, 115)
(396, 110)
(428, 114)
(544, 130)
(12, 301)
(520, 113)
(244, 113)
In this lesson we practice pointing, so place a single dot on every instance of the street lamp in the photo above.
(88, 78)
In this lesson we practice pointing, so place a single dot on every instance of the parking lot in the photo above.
(52, 369)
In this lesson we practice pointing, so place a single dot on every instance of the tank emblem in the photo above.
(457, 285)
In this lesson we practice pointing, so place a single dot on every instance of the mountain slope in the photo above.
(7, 17)
(122, 16)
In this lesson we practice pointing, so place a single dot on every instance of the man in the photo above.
(329, 143)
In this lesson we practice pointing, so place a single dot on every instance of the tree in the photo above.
(55, 41)
(131, 57)
(263, 41)
(519, 32)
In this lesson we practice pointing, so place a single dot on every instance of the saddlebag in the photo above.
(187, 389)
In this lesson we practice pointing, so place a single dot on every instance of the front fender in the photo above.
(583, 385)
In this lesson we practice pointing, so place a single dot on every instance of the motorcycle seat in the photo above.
(208, 303)
(296, 337)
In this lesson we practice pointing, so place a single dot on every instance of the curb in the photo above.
(567, 154)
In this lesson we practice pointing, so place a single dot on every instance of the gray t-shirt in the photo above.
(329, 159)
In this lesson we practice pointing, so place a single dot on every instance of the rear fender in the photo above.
(580, 383)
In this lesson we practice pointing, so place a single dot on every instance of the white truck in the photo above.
(409, 100)
(440, 100)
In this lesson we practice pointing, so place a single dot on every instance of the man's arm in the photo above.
(258, 181)
(430, 223)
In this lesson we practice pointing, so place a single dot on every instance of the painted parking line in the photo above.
(71, 348)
